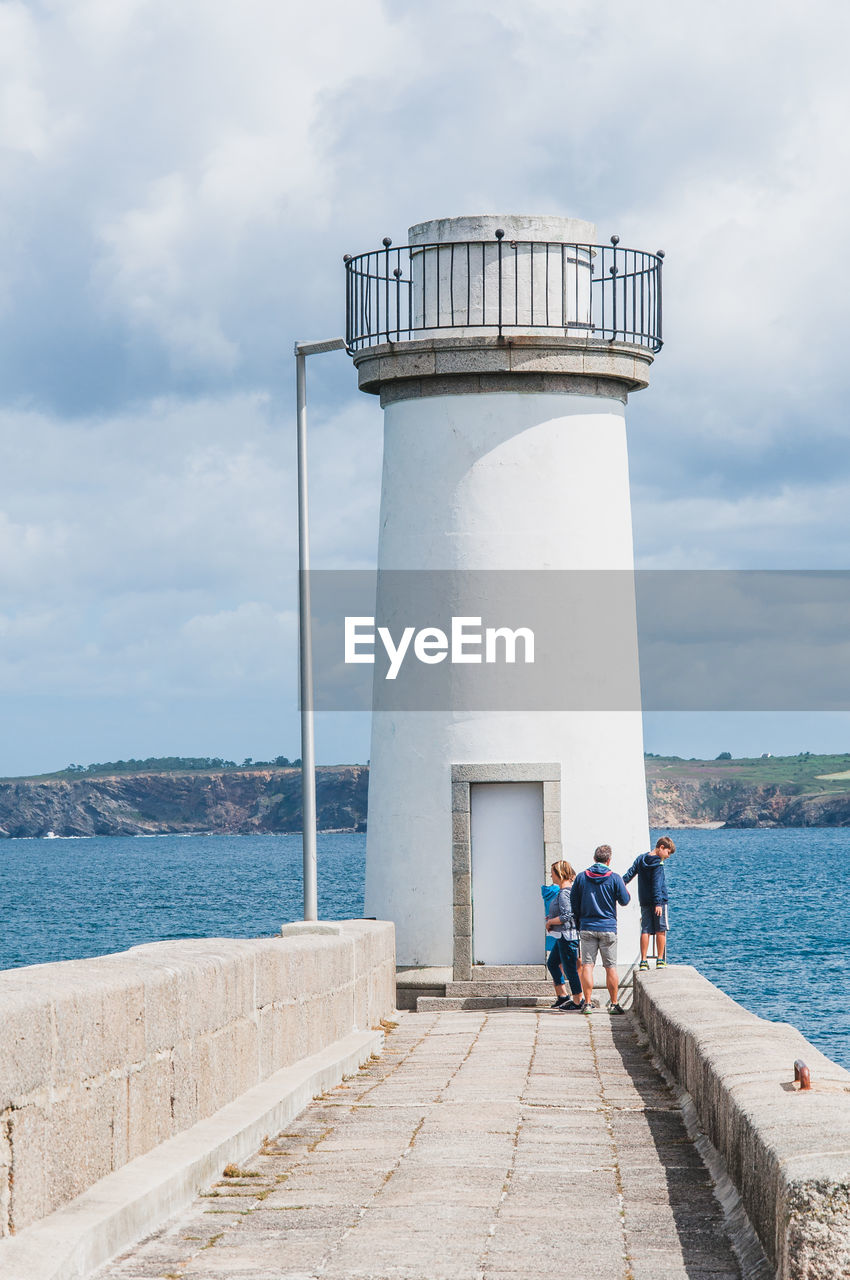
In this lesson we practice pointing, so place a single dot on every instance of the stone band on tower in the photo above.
(503, 350)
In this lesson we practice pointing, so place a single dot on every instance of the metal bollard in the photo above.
(802, 1073)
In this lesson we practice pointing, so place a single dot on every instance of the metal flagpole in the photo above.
(305, 639)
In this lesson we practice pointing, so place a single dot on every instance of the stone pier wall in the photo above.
(101, 1060)
(788, 1152)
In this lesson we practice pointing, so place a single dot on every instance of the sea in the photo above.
(763, 914)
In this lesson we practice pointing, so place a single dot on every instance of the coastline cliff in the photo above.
(796, 792)
(235, 802)
(686, 803)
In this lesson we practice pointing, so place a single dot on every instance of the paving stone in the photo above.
(446, 1158)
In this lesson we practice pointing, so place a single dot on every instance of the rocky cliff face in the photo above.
(683, 802)
(243, 801)
(232, 801)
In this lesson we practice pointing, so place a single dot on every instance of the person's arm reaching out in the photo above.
(632, 871)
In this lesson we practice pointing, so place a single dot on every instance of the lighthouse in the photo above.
(503, 349)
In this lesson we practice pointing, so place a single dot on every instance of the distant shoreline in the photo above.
(795, 791)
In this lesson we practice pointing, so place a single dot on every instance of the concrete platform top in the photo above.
(461, 365)
(504, 1145)
(422, 976)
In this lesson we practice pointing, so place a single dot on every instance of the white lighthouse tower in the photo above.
(504, 349)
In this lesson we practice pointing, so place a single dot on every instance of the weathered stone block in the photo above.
(551, 826)
(25, 1045)
(148, 1107)
(516, 771)
(28, 1131)
(462, 966)
(468, 360)
(362, 1013)
(552, 797)
(525, 989)
(462, 887)
(85, 1130)
(510, 973)
(167, 1009)
(542, 359)
(460, 827)
(441, 1004)
(184, 1089)
(460, 797)
(462, 917)
(85, 1021)
(403, 364)
(268, 971)
(382, 993)
(461, 860)
(814, 1209)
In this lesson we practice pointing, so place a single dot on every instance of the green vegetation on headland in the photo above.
(807, 773)
(166, 764)
(805, 790)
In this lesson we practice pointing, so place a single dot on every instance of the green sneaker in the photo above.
(644, 964)
(660, 964)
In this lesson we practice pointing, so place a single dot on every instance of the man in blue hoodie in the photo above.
(593, 898)
(652, 896)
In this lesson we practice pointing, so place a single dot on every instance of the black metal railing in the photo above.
(602, 292)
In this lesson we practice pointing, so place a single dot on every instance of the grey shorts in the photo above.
(602, 944)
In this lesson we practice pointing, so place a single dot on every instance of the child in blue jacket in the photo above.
(652, 896)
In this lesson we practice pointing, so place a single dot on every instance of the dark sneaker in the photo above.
(570, 1007)
(644, 964)
(616, 1008)
(562, 1000)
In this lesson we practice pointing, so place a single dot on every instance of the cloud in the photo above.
(180, 183)
(156, 549)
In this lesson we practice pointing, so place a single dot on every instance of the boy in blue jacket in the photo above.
(652, 896)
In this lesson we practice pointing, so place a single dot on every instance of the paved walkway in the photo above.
(480, 1146)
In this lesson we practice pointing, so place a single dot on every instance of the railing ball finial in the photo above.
(346, 257)
(386, 242)
(500, 235)
(396, 272)
(660, 253)
(615, 240)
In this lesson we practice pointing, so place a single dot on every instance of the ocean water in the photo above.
(763, 914)
(66, 899)
(766, 916)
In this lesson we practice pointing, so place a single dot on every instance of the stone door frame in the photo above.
(463, 776)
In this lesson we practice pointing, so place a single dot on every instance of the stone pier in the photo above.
(328, 1137)
(481, 1145)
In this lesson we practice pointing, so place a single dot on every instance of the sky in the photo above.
(180, 182)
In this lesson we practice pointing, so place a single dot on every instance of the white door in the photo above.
(506, 822)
